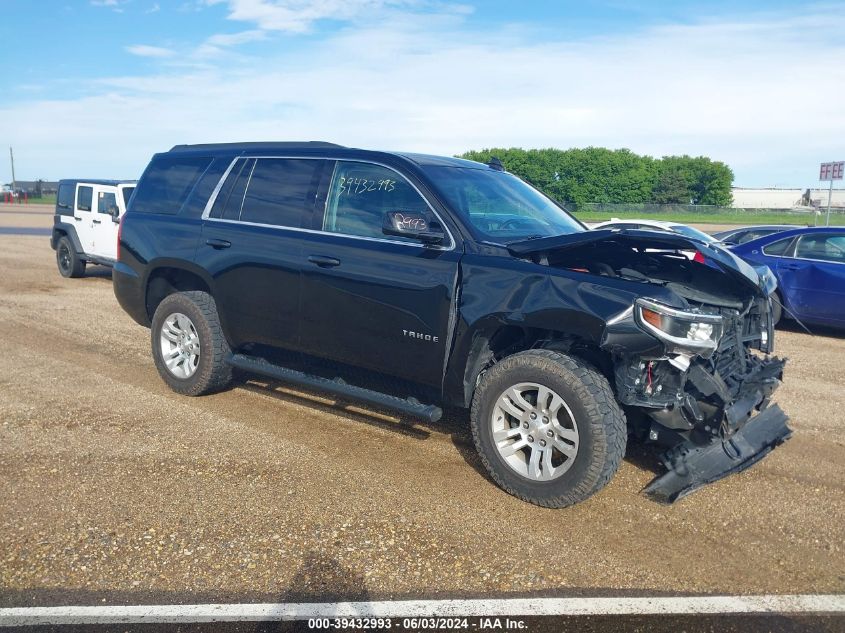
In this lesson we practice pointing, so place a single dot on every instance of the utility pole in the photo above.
(12, 158)
(829, 198)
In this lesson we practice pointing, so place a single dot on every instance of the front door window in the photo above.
(360, 196)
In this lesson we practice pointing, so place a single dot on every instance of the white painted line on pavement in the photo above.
(695, 605)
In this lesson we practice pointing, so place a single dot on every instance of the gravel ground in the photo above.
(114, 485)
(28, 219)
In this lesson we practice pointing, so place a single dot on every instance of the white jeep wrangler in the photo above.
(86, 223)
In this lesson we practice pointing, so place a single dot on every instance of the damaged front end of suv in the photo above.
(692, 363)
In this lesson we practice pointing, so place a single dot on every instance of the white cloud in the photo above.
(114, 5)
(233, 39)
(154, 9)
(297, 16)
(758, 94)
(217, 43)
(143, 50)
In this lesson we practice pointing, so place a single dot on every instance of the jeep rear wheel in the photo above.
(68, 260)
(548, 428)
(188, 344)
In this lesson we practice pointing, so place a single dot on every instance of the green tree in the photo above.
(674, 180)
(597, 174)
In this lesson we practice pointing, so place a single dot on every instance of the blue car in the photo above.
(809, 264)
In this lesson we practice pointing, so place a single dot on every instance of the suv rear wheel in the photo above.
(548, 428)
(68, 260)
(188, 345)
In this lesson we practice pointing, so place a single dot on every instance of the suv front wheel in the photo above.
(547, 427)
(188, 344)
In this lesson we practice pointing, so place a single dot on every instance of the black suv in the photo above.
(458, 284)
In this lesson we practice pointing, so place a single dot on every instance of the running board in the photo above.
(409, 406)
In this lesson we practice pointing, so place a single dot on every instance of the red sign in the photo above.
(832, 171)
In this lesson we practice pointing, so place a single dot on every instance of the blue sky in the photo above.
(94, 87)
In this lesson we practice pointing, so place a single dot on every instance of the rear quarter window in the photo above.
(64, 199)
(778, 248)
(167, 182)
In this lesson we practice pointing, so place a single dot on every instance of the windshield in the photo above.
(695, 234)
(499, 206)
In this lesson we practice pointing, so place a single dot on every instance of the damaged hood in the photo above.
(760, 281)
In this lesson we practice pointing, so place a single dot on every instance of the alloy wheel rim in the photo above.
(180, 345)
(534, 431)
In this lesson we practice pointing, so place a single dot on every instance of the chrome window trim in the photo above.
(820, 261)
(246, 189)
(213, 198)
(794, 249)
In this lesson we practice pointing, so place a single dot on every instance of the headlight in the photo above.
(682, 332)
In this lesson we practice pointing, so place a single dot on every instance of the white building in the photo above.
(774, 198)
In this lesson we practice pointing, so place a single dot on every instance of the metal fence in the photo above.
(694, 209)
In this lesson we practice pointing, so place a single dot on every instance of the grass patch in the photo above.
(48, 199)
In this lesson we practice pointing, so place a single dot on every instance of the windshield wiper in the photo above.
(529, 237)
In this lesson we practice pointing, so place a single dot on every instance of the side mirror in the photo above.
(412, 225)
(115, 214)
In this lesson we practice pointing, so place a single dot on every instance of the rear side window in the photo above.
(279, 190)
(107, 203)
(777, 248)
(167, 182)
(84, 198)
(127, 193)
(742, 238)
(64, 199)
(753, 235)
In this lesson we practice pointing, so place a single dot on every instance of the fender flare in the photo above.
(63, 228)
(157, 265)
(472, 350)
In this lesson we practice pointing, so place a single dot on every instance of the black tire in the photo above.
(777, 308)
(600, 422)
(68, 260)
(212, 372)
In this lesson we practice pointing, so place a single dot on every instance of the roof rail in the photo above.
(257, 145)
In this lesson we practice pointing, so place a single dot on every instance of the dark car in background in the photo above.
(743, 234)
(809, 264)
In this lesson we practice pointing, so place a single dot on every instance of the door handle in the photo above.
(218, 244)
(324, 262)
(76, 219)
(97, 221)
(790, 266)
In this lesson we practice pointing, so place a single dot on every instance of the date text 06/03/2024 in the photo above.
(420, 623)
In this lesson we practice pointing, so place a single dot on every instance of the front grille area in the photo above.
(730, 361)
